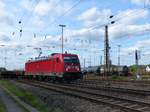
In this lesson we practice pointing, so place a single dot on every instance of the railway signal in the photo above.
(19, 22)
(21, 32)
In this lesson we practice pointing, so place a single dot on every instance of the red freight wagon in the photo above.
(56, 66)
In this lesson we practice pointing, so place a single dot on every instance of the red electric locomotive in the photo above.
(56, 66)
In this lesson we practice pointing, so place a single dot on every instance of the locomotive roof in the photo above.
(49, 56)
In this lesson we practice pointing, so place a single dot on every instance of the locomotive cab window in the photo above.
(68, 59)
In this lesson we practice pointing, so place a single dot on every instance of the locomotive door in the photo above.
(57, 66)
(53, 65)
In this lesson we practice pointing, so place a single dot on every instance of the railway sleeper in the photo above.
(87, 96)
(134, 106)
(117, 102)
(125, 104)
(144, 109)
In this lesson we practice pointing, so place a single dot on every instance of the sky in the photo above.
(26, 26)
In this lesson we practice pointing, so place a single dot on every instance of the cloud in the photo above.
(143, 43)
(131, 16)
(125, 23)
(37, 21)
(144, 3)
(4, 38)
(129, 22)
(115, 32)
(50, 42)
(53, 43)
(45, 10)
(42, 8)
(2, 5)
(27, 4)
(120, 31)
(138, 2)
(4, 15)
(95, 16)
(6, 19)
(137, 46)
(85, 33)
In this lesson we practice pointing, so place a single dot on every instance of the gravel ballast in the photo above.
(65, 103)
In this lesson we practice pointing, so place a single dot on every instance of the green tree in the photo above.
(133, 68)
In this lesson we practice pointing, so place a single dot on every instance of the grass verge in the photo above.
(2, 107)
(28, 97)
(18, 103)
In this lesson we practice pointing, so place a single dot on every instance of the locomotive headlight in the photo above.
(69, 67)
(66, 69)
(77, 68)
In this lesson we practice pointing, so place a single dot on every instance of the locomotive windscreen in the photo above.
(68, 59)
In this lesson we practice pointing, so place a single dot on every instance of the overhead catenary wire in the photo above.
(25, 23)
(37, 2)
(75, 6)
(20, 21)
(97, 26)
(55, 20)
(65, 13)
(118, 19)
(31, 10)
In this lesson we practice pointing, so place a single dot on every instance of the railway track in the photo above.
(128, 82)
(121, 103)
(109, 88)
(127, 85)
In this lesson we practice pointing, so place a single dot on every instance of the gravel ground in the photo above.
(9, 102)
(137, 97)
(129, 85)
(66, 103)
(132, 86)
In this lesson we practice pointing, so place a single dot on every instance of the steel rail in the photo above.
(124, 104)
(146, 82)
(110, 88)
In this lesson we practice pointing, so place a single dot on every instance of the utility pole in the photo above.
(5, 55)
(106, 52)
(118, 58)
(94, 60)
(100, 60)
(100, 67)
(84, 63)
(90, 61)
(62, 26)
(137, 55)
(107, 61)
(119, 55)
(5, 59)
